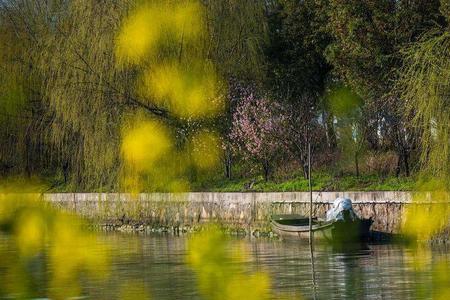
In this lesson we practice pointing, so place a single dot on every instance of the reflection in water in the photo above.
(313, 270)
(220, 269)
(157, 264)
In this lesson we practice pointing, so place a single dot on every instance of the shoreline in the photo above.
(244, 213)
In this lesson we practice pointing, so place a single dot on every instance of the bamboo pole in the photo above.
(311, 247)
(310, 194)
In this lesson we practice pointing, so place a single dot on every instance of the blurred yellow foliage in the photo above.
(424, 221)
(255, 286)
(133, 291)
(429, 212)
(186, 91)
(144, 145)
(151, 160)
(139, 35)
(187, 19)
(419, 257)
(68, 251)
(220, 273)
(163, 38)
(144, 32)
(32, 232)
(427, 216)
(38, 229)
(74, 249)
(441, 280)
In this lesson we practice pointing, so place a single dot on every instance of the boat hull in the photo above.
(332, 232)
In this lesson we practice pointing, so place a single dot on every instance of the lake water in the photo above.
(379, 272)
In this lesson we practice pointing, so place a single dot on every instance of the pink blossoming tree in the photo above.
(257, 131)
(237, 91)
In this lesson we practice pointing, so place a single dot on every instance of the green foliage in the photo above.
(238, 34)
(344, 103)
(84, 90)
(13, 99)
(321, 182)
(346, 106)
(297, 42)
(366, 39)
(425, 86)
(15, 106)
(367, 36)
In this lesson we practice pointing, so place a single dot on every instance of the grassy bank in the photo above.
(321, 182)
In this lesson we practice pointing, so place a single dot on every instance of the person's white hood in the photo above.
(339, 206)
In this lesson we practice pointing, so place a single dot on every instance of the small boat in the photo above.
(335, 231)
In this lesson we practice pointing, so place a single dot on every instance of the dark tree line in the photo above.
(336, 65)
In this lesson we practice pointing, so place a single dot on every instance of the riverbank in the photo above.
(240, 213)
(322, 181)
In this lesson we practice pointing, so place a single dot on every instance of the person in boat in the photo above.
(341, 209)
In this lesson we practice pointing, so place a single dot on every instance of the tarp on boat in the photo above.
(342, 209)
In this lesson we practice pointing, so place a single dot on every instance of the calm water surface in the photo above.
(378, 272)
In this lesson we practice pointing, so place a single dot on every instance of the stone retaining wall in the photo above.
(248, 211)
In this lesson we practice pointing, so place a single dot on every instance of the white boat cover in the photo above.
(336, 212)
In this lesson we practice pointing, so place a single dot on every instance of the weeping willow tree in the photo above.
(82, 92)
(21, 111)
(12, 98)
(238, 32)
(425, 87)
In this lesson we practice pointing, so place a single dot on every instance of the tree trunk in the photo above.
(228, 163)
(405, 162)
(305, 171)
(228, 170)
(356, 165)
(403, 159)
(399, 165)
(304, 162)
(65, 168)
(266, 169)
(330, 132)
(28, 154)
